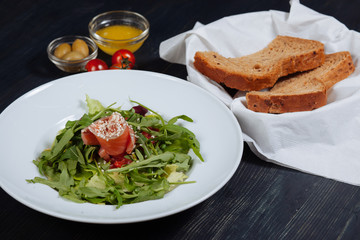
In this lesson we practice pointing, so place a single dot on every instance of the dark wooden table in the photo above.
(261, 201)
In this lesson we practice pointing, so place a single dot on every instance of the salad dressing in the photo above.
(122, 33)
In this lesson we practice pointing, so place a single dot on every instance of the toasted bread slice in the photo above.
(339, 66)
(303, 91)
(283, 56)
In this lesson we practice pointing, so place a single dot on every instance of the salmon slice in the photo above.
(131, 145)
(112, 133)
(88, 137)
(103, 154)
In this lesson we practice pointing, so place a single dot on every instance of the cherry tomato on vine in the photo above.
(96, 65)
(124, 58)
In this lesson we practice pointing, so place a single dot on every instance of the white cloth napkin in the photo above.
(324, 142)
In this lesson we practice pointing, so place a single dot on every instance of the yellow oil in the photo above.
(119, 32)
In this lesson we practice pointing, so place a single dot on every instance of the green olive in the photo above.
(81, 47)
(72, 56)
(62, 49)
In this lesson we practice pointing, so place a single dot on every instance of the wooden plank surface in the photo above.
(261, 201)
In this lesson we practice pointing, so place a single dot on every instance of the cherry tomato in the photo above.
(146, 134)
(125, 58)
(96, 65)
(121, 162)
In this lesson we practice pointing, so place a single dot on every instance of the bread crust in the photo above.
(229, 71)
(286, 103)
(340, 71)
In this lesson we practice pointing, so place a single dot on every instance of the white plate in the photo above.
(30, 124)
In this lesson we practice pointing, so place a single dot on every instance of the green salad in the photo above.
(83, 167)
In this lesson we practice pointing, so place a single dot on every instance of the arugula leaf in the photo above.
(191, 138)
(65, 178)
(183, 117)
(64, 140)
(158, 115)
(50, 183)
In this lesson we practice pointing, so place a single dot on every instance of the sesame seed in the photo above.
(110, 127)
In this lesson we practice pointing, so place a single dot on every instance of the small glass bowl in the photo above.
(76, 65)
(127, 18)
